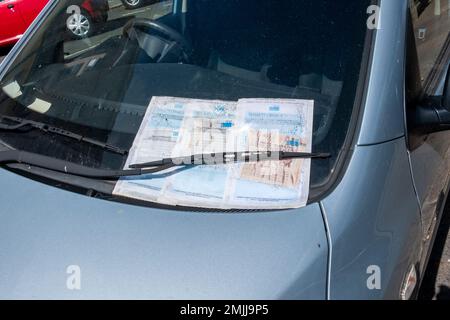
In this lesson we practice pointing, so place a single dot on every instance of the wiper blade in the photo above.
(41, 161)
(231, 157)
(19, 123)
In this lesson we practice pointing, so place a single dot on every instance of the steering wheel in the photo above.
(165, 46)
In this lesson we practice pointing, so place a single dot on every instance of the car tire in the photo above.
(132, 4)
(80, 27)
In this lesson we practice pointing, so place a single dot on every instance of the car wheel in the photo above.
(80, 26)
(132, 4)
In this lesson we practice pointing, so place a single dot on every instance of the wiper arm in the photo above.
(19, 123)
(231, 157)
(41, 161)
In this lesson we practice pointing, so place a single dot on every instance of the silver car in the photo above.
(378, 72)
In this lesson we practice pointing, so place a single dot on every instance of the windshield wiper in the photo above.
(19, 123)
(231, 157)
(45, 162)
(41, 161)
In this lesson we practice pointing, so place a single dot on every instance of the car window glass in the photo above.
(94, 21)
(431, 23)
(93, 66)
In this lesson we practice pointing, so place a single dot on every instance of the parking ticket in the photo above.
(174, 127)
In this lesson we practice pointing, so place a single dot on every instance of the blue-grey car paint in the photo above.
(431, 172)
(373, 216)
(127, 251)
(133, 252)
(124, 251)
(374, 220)
(384, 112)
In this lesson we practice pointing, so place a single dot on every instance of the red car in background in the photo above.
(17, 15)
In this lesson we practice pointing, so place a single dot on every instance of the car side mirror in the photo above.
(432, 114)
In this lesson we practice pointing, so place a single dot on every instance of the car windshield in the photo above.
(93, 66)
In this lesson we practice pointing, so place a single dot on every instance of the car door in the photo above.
(428, 58)
(29, 9)
(11, 23)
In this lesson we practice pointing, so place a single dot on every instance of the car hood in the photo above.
(48, 236)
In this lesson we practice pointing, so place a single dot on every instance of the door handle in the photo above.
(10, 6)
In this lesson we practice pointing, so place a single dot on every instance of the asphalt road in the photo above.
(436, 284)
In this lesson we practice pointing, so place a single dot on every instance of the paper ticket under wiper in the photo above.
(176, 127)
(284, 125)
(156, 139)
